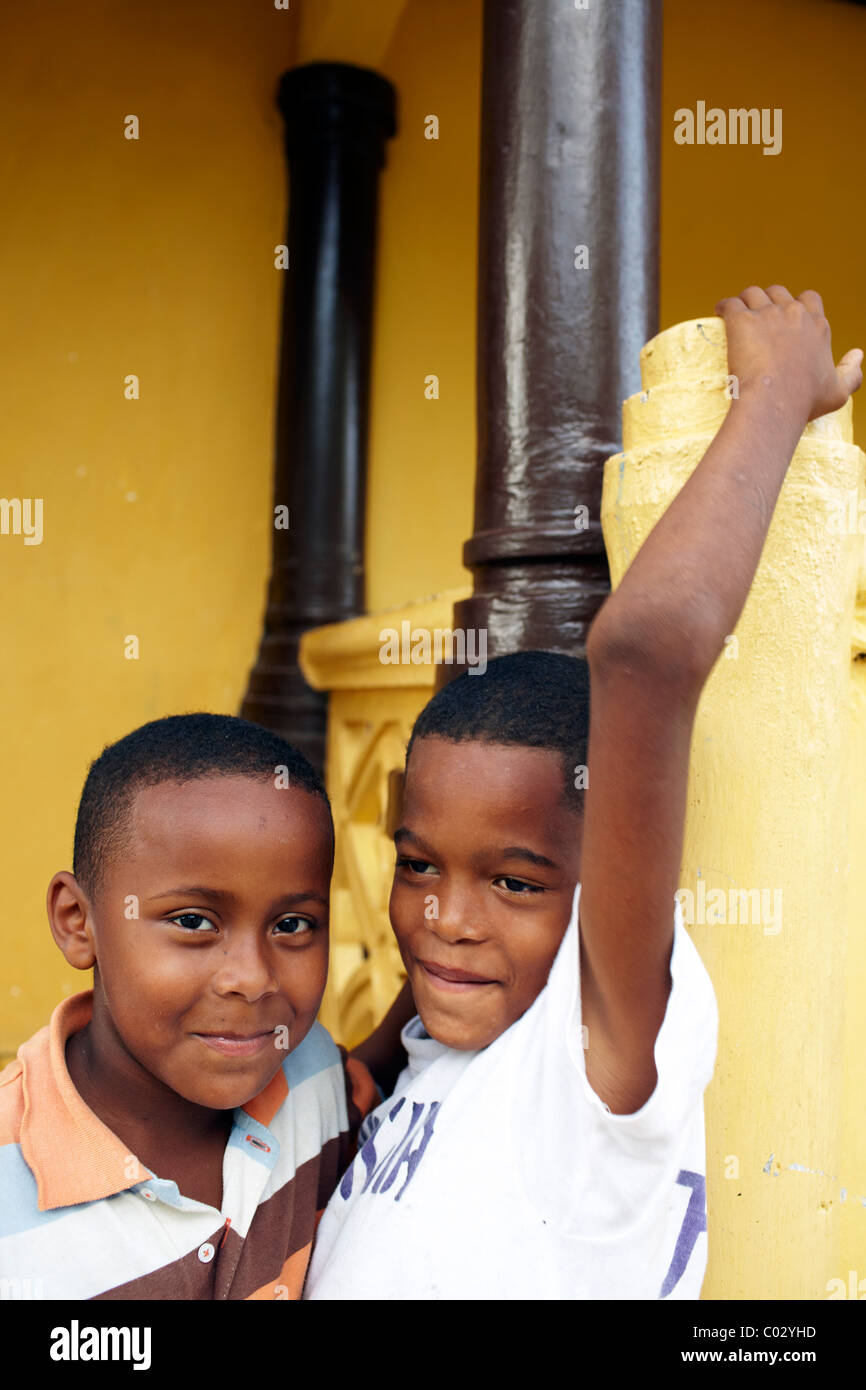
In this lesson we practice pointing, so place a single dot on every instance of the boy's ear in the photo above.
(69, 919)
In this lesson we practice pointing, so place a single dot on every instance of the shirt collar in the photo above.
(73, 1156)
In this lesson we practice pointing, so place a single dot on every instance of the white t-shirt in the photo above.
(500, 1174)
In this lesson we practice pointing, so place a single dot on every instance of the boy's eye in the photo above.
(518, 885)
(190, 920)
(417, 866)
(296, 926)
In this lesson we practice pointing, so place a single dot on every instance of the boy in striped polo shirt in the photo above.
(174, 1133)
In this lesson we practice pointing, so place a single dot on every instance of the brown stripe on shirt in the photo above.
(281, 1226)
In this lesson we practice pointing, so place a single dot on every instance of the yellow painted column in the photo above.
(851, 1275)
(767, 878)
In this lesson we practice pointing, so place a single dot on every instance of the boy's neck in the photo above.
(159, 1126)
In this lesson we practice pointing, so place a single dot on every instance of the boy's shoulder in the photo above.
(13, 1096)
(80, 1217)
(11, 1100)
(48, 1132)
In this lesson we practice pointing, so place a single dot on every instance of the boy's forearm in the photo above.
(382, 1052)
(691, 577)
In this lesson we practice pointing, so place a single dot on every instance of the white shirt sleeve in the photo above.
(597, 1173)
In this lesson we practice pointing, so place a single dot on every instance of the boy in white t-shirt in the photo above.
(546, 1138)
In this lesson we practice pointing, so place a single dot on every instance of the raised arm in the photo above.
(650, 650)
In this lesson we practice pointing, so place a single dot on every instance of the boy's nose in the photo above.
(458, 918)
(245, 969)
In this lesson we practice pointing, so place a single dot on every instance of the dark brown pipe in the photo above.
(569, 158)
(338, 119)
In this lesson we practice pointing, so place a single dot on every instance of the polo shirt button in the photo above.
(149, 1195)
(206, 1252)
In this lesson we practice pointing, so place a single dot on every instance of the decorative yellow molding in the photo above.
(686, 395)
(347, 656)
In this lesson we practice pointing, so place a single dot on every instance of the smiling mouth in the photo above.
(237, 1044)
(455, 981)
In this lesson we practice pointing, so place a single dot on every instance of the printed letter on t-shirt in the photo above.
(694, 1221)
(377, 1174)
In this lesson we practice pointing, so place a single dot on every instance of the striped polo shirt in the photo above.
(80, 1217)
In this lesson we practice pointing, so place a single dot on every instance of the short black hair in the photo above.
(534, 699)
(179, 748)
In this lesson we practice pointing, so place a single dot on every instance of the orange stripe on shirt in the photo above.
(290, 1280)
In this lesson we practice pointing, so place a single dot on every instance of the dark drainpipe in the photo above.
(569, 158)
(338, 118)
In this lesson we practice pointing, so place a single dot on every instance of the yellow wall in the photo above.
(732, 216)
(422, 463)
